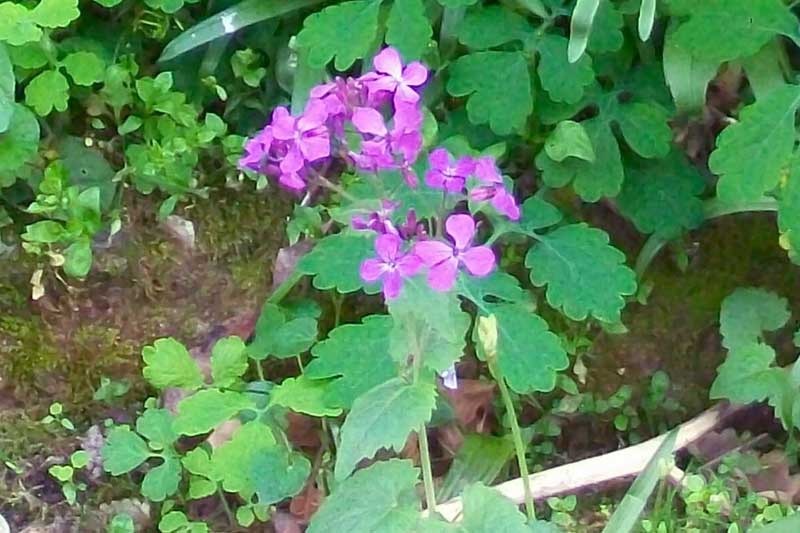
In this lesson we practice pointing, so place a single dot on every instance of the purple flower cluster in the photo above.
(295, 149)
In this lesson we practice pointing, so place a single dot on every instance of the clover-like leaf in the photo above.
(752, 154)
(537, 214)
(498, 86)
(47, 91)
(563, 81)
(162, 481)
(303, 395)
(206, 409)
(789, 214)
(278, 474)
(123, 451)
(747, 312)
(17, 26)
(487, 511)
(645, 128)
(156, 426)
(228, 361)
(607, 27)
(18, 144)
(584, 274)
(528, 353)
(489, 26)
(378, 498)
(383, 417)
(85, 68)
(281, 335)
(168, 364)
(55, 13)
(569, 139)
(722, 30)
(321, 35)
(357, 355)
(335, 260)
(748, 375)
(662, 197)
(408, 28)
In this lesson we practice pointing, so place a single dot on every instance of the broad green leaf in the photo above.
(206, 409)
(8, 84)
(497, 285)
(379, 498)
(87, 168)
(748, 375)
(569, 139)
(752, 154)
(490, 26)
(200, 488)
(28, 56)
(162, 481)
(687, 76)
(498, 86)
(580, 27)
(47, 91)
(78, 258)
(789, 214)
(168, 364)
(303, 395)
(278, 474)
(123, 451)
(591, 181)
(383, 417)
(783, 525)
(528, 353)
(156, 426)
(748, 312)
(231, 20)
(408, 28)
(662, 196)
(55, 13)
(321, 35)
(765, 70)
(479, 459)
(85, 68)
(563, 80)
(281, 335)
(538, 214)
(234, 460)
(357, 355)
(722, 30)
(228, 361)
(645, 128)
(198, 462)
(606, 35)
(584, 274)
(17, 26)
(335, 260)
(487, 511)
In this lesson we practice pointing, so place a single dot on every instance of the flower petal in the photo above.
(442, 277)
(405, 95)
(462, 229)
(316, 146)
(283, 124)
(486, 170)
(465, 166)
(388, 61)
(434, 179)
(480, 260)
(392, 285)
(433, 252)
(409, 265)
(371, 270)
(415, 74)
(368, 120)
(439, 159)
(506, 204)
(292, 180)
(314, 116)
(293, 160)
(388, 247)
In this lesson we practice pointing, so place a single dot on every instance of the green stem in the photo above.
(260, 371)
(285, 287)
(228, 512)
(427, 471)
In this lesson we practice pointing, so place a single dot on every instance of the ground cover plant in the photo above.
(319, 265)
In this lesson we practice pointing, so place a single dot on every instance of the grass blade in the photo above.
(481, 458)
(580, 27)
(647, 16)
(229, 21)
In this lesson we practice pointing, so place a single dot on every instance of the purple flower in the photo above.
(378, 221)
(443, 259)
(493, 189)
(257, 151)
(446, 173)
(307, 137)
(391, 77)
(391, 266)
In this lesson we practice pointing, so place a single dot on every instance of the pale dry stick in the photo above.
(626, 463)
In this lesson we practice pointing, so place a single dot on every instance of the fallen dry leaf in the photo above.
(304, 505)
(472, 403)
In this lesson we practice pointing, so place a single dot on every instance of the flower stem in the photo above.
(427, 471)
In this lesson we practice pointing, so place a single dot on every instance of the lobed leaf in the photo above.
(335, 260)
(228, 361)
(408, 28)
(156, 426)
(281, 335)
(168, 364)
(303, 395)
(487, 27)
(747, 312)
(123, 451)
(206, 409)
(564, 80)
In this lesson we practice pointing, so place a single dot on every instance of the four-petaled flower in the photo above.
(391, 265)
(493, 188)
(391, 77)
(307, 137)
(446, 173)
(443, 259)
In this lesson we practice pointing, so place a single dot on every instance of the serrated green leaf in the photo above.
(662, 197)
(687, 76)
(538, 214)
(486, 511)
(123, 451)
(584, 274)
(228, 361)
(168, 364)
(569, 139)
(85, 68)
(55, 13)
(278, 474)
(357, 355)
(200, 488)
(563, 81)
(199, 463)
(206, 409)
(528, 353)
(17, 26)
(383, 417)
(408, 28)
(335, 260)
(162, 481)
(379, 498)
(645, 128)
(752, 154)
(234, 460)
(496, 286)
(156, 426)
(722, 30)
(591, 181)
(18, 144)
(748, 375)
(47, 91)
(606, 35)
(747, 312)
(303, 395)
(280, 335)
(321, 35)
(8, 84)
(789, 213)
(498, 86)
(765, 69)
(490, 26)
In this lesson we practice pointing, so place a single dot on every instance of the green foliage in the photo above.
(168, 364)
(334, 262)
(408, 28)
(280, 334)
